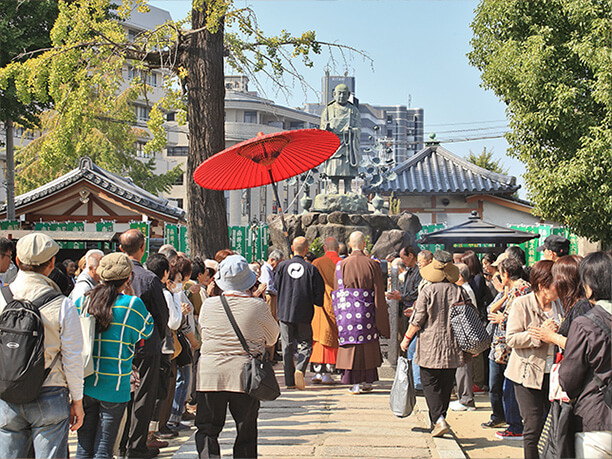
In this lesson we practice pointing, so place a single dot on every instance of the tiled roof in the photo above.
(436, 170)
(474, 230)
(122, 187)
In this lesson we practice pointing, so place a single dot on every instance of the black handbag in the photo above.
(259, 379)
(470, 333)
(185, 356)
(557, 438)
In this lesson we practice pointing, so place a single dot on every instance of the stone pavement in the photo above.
(327, 421)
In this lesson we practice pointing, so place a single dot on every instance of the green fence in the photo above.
(250, 241)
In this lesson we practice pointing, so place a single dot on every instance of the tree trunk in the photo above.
(10, 171)
(206, 217)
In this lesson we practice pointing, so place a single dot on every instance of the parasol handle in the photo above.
(282, 215)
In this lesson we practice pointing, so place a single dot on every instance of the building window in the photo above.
(389, 132)
(389, 119)
(177, 151)
(250, 117)
(180, 180)
(179, 203)
(140, 151)
(296, 125)
(142, 113)
(171, 116)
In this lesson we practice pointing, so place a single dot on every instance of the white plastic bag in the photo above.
(403, 394)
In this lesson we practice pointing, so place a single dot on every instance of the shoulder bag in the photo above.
(470, 333)
(259, 379)
(88, 329)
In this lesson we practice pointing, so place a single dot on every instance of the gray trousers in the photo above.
(464, 381)
(291, 333)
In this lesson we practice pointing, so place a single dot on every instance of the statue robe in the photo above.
(345, 122)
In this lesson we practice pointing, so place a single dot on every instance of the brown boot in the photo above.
(153, 442)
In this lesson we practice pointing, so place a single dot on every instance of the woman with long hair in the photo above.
(531, 359)
(566, 277)
(121, 321)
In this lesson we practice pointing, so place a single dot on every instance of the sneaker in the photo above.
(317, 379)
(327, 380)
(355, 390)
(367, 387)
(493, 424)
(179, 427)
(477, 389)
(440, 429)
(458, 406)
(507, 435)
(299, 380)
(165, 433)
(187, 416)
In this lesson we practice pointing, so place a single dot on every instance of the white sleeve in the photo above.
(175, 315)
(71, 340)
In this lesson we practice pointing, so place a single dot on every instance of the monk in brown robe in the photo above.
(361, 361)
(324, 328)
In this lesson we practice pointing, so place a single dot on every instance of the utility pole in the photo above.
(10, 172)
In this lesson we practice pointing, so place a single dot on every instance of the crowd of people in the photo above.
(163, 352)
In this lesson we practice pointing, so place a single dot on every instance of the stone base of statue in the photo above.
(351, 203)
(386, 233)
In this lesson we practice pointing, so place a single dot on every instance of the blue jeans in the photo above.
(97, 435)
(496, 390)
(183, 378)
(40, 426)
(416, 370)
(511, 408)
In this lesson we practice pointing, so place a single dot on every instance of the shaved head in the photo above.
(300, 246)
(357, 240)
(131, 241)
(331, 244)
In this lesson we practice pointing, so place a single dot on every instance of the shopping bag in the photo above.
(403, 394)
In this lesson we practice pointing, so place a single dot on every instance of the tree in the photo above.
(83, 34)
(91, 114)
(24, 25)
(486, 161)
(549, 62)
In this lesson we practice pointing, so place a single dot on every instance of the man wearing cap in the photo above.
(437, 351)
(555, 247)
(300, 287)
(148, 288)
(42, 425)
(361, 315)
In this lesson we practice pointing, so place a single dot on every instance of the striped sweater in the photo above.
(113, 349)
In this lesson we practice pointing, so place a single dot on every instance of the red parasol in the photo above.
(266, 159)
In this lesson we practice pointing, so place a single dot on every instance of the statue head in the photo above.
(341, 94)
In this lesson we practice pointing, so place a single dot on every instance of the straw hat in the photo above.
(440, 268)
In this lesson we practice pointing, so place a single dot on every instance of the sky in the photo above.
(418, 50)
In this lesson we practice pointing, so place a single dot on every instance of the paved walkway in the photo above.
(327, 421)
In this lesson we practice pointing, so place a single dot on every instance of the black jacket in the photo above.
(300, 287)
(148, 288)
(587, 351)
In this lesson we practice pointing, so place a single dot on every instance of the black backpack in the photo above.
(22, 353)
(605, 389)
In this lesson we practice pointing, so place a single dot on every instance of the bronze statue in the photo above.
(342, 118)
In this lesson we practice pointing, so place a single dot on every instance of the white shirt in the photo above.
(468, 288)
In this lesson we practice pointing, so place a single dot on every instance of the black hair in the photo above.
(490, 257)
(158, 264)
(197, 267)
(310, 256)
(101, 301)
(596, 272)
(512, 267)
(408, 249)
(6, 246)
(514, 251)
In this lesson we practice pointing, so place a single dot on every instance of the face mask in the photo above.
(177, 287)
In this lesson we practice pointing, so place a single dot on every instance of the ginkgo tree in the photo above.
(81, 74)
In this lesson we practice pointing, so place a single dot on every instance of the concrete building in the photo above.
(246, 114)
(399, 126)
